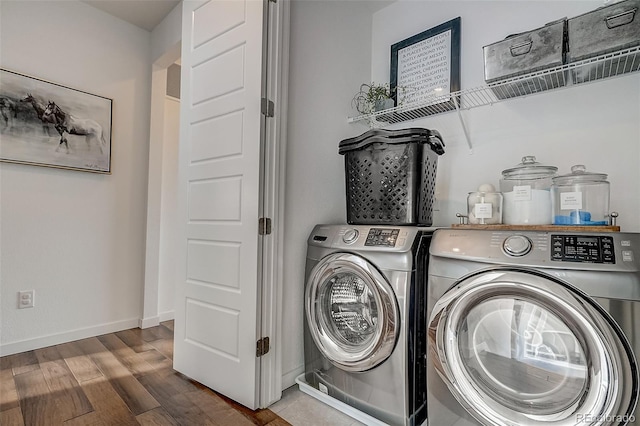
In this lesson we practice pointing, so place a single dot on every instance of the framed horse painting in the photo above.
(47, 124)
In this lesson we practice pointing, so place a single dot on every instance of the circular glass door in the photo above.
(352, 312)
(516, 347)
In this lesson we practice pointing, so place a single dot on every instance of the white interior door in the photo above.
(217, 309)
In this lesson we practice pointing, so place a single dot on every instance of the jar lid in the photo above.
(529, 168)
(579, 174)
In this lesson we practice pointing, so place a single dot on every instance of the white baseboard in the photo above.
(67, 336)
(167, 316)
(289, 378)
(338, 405)
(154, 321)
(148, 322)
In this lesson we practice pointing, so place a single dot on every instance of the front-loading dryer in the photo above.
(533, 328)
(365, 318)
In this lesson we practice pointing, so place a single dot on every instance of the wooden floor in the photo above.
(122, 378)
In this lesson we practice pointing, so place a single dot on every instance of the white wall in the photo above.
(161, 242)
(150, 311)
(158, 286)
(169, 206)
(596, 125)
(166, 38)
(330, 55)
(336, 46)
(77, 238)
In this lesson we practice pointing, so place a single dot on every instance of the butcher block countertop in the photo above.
(543, 228)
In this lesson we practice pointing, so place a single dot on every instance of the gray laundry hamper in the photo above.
(390, 176)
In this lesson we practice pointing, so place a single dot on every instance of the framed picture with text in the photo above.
(425, 68)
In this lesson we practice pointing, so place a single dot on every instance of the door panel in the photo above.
(199, 254)
(228, 127)
(216, 19)
(216, 199)
(225, 67)
(220, 340)
(517, 347)
(217, 311)
(352, 312)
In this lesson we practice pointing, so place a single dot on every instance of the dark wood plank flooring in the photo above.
(123, 378)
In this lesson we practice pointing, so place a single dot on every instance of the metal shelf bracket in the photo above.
(613, 64)
(464, 127)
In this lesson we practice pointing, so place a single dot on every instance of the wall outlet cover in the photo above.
(26, 299)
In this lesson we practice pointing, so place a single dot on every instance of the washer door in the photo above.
(517, 347)
(352, 312)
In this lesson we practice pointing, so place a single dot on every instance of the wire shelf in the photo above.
(585, 71)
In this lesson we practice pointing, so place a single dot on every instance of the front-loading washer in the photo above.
(533, 328)
(365, 318)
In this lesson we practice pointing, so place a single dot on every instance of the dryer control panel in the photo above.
(582, 248)
(382, 237)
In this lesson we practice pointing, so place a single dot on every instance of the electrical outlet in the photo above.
(26, 299)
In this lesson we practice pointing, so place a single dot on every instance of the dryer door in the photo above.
(352, 312)
(517, 347)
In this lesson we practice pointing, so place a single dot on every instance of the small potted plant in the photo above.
(373, 97)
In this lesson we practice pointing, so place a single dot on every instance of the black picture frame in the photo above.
(427, 66)
(75, 134)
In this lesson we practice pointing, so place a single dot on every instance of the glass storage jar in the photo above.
(580, 198)
(484, 207)
(526, 189)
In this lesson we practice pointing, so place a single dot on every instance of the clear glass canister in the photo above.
(527, 193)
(580, 198)
(484, 208)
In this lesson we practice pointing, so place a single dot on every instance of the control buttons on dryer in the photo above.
(517, 245)
(350, 236)
(583, 248)
(383, 237)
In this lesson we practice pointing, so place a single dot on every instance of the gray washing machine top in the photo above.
(608, 251)
(382, 244)
(574, 256)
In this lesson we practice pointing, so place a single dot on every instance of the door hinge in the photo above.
(267, 107)
(264, 226)
(262, 346)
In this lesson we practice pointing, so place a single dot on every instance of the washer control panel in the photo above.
(582, 248)
(385, 237)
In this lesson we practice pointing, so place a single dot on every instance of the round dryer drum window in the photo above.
(517, 347)
(352, 312)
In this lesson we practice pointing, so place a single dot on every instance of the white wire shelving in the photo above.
(589, 70)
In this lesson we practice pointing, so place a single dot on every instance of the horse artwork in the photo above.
(30, 108)
(64, 122)
(8, 110)
(39, 108)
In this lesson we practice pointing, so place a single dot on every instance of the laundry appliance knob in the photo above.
(517, 245)
(350, 236)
